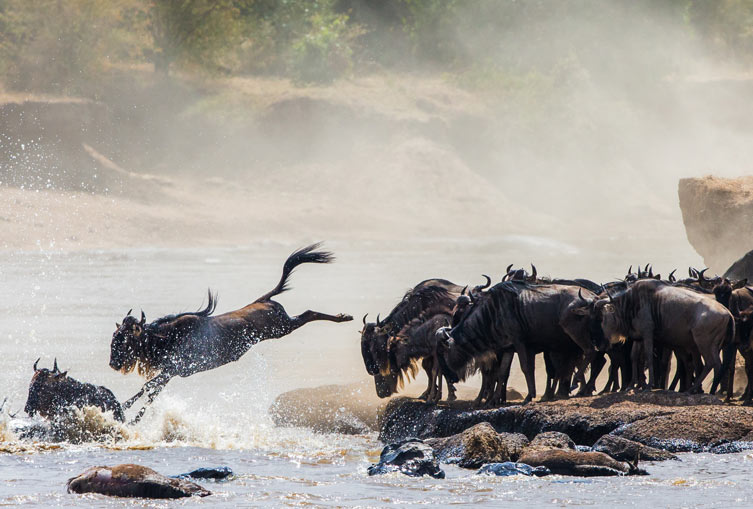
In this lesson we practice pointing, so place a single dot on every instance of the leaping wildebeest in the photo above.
(188, 343)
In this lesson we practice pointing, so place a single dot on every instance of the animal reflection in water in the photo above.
(188, 343)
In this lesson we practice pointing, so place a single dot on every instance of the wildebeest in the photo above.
(188, 343)
(52, 392)
(528, 319)
(426, 299)
(652, 311)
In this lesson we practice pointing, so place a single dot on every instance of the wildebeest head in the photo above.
(374, 349)
(127, 343)
(605, 325)
(44, 390)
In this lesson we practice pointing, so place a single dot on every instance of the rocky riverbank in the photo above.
(662, 420)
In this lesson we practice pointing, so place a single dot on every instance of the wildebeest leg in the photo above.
(153, 387)
(636, 357)
(503, 374)
(747, 354)
(648, 355)
(710, 353)
(526, 357)
(662, 358)
(313, 316)
(551, 377)
(597, 364)
(450, 390)
(426, 363)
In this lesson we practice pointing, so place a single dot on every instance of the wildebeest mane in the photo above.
(418, 301)
(202, 313)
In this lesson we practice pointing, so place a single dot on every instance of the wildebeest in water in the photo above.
(188, 343)
(51, 392)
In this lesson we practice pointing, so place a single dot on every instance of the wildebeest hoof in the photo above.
(133, 481)
(452, 397)
(344, 318)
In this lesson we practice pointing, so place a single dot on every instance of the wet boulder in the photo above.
(509, 468)
(133, 481)
(577, 463)
(623, 449)
(552, 440)
(477, 445)
(411, 457)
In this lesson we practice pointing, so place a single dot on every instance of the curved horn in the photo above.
(143, 317)
(630, 270)
(129, 312)
(533, 274)
(608, 295)
(580, 293)
(672, 276)
(507, 270)
(55, 368)
(650, 271)
(701, 277)
(446, 333)
(364, 318)
(645, 269)
(378, 322)
(36, 362)
(488, 282)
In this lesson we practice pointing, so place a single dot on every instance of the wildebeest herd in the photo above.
(454, 331)
(638, 323)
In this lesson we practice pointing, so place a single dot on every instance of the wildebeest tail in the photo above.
(308, 254)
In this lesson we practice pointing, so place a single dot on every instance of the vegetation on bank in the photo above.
(65, 46)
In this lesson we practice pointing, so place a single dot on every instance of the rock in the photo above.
(627, 450)
(216, 473)
(660, 419)
(348, 409)
(716, 212)
(694, 429)
(552, 440)
(572, 462)
(477, 445)
(411, 457)
(133, 481)
(509, 468)
(741, 269)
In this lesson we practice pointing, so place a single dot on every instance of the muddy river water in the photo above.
(65, 305)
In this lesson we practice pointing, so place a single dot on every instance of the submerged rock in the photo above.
(572, 462)
(215, 473)
(478, 445)
(510, 468)
(627, 450)
(133, 481)
(411, 457)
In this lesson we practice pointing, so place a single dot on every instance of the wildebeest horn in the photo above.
(364, 318)
(701, 276)
(35, 363)
(507, 270)
(446, 334)
(650, 271)
(609, 295)
(378, 322)
(143, 317)
(488, 282)
(580, 293)
(533, 274)
(630, 270)
(464, 290)
(129, 312)
(672, 276)
(55, 366)
(645, 269)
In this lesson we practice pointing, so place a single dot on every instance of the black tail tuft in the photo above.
(211, 304)
(308, 254)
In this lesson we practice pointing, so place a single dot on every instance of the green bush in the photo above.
(325, 52)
